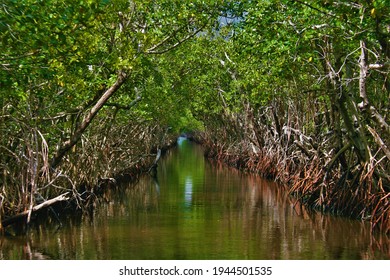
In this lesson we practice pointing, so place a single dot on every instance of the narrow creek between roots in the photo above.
(200, 210)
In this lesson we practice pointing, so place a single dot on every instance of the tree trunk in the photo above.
(67, 145)
(26, 213)
(365, 106)
(334, 116)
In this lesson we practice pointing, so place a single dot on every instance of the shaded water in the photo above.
(199, 210)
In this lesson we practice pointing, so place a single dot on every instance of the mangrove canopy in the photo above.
(297, 91)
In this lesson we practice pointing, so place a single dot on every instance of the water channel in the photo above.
(200, 210)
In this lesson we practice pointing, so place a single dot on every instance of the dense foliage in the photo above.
(307, 102)
(296, 91)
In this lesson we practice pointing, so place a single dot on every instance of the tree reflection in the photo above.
(203, 210)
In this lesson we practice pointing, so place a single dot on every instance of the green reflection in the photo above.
(199, 210)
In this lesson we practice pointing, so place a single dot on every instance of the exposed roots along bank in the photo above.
(106, 155)
(320, 176)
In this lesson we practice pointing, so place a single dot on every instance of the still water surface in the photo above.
(199, 210)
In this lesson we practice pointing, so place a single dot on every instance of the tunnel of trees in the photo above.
(295, 91)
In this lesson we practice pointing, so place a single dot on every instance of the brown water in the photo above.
(199, 210)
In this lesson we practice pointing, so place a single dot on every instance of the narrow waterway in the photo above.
(199, 210)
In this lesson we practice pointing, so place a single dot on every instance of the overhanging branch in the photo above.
(125, 107)
(154, 49)
(67, 145)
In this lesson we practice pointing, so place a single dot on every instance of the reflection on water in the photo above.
(188, 191)
(199, 210)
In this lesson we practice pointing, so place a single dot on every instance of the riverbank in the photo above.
(193, 201)
(94, 167)
(313, 180)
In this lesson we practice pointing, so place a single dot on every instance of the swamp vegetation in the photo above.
(91, 91)
(196, 208)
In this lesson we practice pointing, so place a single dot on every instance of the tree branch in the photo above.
(379, 141)
(124, 107)
(67, 145)
(153, 50)
(47, 203)
(314, 8)
(365, 105)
